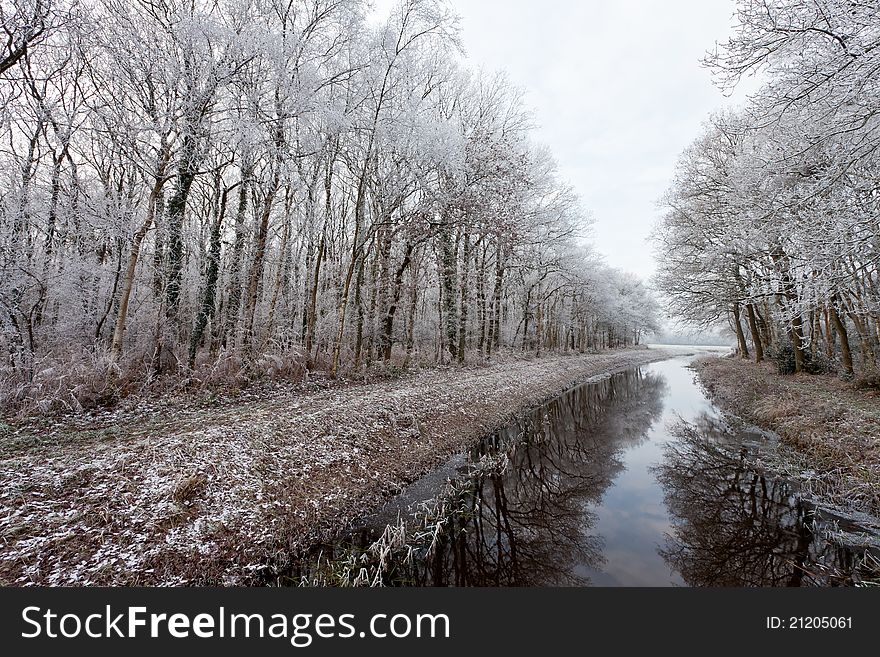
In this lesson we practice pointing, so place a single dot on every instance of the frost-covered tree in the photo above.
(249, 188)
(772, 218)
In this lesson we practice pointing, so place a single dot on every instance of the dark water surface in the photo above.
(633, 480)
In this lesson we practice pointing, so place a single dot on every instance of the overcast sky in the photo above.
(617, 90)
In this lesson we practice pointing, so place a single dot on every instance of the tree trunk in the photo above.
(176, 210)
(797, 342)
(868, 357)
(206, 307)
(829, 334)
(411, 323)
(233, 305)
(359, 307)
(480, 271)
(312, 312)
(463, 312)
(740, 336)
(845, 351)
(396, 290)
(448, 288)
(312, 308)
(495, 327)
(756, 335)
(130, 270)
(360, 201)
(256, 274)
(281, 272)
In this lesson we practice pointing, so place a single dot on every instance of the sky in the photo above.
(617, 91)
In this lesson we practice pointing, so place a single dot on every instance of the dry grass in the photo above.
(227, 491)
(391, 558)
(88, 381)
(830, 422)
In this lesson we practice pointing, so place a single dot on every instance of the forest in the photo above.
(771, 223)
(235, 189)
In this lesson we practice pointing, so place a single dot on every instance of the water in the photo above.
(632, 517)
(633, 480)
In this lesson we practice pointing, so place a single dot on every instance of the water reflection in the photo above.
(733, 525)
(530, 524)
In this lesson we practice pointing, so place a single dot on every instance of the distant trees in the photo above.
(772, 221)
(185, 184)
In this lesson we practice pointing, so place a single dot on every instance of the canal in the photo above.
(629, 480)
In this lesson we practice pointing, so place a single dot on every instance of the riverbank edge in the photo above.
(830, 432)
(207, 544)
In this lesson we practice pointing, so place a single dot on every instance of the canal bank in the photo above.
(832, 425)
(228, 493)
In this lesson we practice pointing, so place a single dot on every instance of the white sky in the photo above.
(617, 90)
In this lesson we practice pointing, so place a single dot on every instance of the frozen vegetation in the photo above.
(174, 494)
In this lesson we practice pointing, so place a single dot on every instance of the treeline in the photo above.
(772, 220)
(277, 183)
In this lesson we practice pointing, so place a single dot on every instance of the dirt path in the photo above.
(212, 495)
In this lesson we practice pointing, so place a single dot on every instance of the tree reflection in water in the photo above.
(529, 524)
(734, 525)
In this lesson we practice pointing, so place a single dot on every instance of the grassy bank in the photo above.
(833, 427)
(215, 493)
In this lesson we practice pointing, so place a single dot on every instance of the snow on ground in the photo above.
(220, 493)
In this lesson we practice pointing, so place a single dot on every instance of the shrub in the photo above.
(869, 380)
(783, 356)
(76, 382)
(819, 363)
